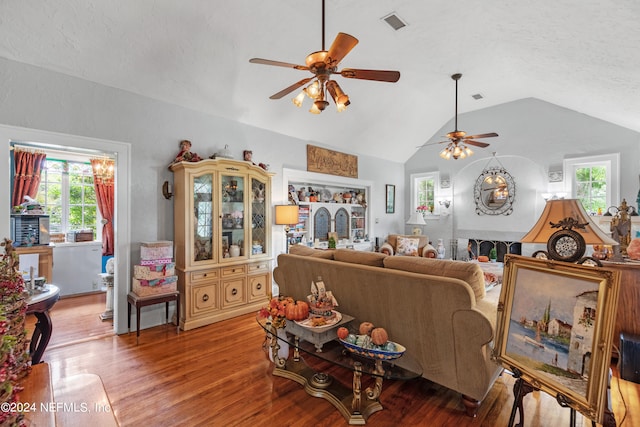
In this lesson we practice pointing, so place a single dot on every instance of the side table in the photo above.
(139, 302)
(39, 305)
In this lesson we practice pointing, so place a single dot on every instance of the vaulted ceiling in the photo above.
(581, 55)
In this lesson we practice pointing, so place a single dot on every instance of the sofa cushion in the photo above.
(467, 271)
(407, 246)
(307, 251)
(360, 257)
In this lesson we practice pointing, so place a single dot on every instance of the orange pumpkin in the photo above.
(298, 310)
(343, 333)
(379, 336)
(365, 328)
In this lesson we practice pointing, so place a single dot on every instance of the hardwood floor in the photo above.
(219, 375)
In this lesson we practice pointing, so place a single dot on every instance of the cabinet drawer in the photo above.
(204, 298)
(258, 267)
(258, 287)
(202, 275)
(233, 292)
(234, 270)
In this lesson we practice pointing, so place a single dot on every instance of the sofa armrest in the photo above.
(429, 251)
(473, 335)
(386, 248)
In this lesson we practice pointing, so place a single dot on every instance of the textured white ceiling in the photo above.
(579, 54)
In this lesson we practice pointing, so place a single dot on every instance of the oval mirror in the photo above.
(494, 192)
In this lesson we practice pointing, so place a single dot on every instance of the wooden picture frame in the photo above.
(390, 198)
(331, 162)
(226, 239)
(555, 329)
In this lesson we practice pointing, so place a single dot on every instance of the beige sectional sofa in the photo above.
(438, 309)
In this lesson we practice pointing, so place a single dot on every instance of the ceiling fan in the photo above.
(323, 64)
(458, 139)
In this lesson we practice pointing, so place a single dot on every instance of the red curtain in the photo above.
(28, 166)
(103, 183)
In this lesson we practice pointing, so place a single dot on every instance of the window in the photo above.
(424, 191)
(67, 193)
(594, 181)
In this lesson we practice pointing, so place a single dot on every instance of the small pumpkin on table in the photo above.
(369, 337)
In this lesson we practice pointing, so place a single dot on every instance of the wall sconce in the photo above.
(166, 190)
(445, 203)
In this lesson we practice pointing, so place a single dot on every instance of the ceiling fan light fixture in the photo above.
(318, 106)
(297, 101)
(339, 97)
(313, 90)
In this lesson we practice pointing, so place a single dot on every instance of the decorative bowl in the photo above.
(374, 353)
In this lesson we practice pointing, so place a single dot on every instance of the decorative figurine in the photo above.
(185, 154)
(247, 156)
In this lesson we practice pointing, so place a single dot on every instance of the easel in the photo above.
(521, 388)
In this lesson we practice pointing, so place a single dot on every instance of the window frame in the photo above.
(611, 162)
(415, 179)
(65, 193)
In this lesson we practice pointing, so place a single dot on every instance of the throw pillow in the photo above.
(407, 246)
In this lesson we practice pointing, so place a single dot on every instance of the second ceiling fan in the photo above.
(323, 64)
(458, 139)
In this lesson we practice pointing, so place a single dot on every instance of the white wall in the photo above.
(35, 98)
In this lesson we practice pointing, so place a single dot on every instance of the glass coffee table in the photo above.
(355, 404)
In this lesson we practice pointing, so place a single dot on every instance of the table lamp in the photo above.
(418, 220)
(566, 229)
(286, 215)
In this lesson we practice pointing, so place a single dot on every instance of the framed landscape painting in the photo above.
(555, 329)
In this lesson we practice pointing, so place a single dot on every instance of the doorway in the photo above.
(121, 152)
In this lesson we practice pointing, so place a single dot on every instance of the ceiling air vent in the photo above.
(394, 21)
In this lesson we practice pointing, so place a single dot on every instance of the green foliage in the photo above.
(493, 254)
(80, 197)
(591, 187)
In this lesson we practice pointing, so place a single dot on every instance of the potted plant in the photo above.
(493, 255)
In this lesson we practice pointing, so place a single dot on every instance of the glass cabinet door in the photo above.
(233, 215)
(203, 217)
(258, 217)
(358, 223)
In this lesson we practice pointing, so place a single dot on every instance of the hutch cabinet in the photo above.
(222, 239)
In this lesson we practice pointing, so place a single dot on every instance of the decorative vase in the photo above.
(283, 351)
(234, 250)
(440, 249)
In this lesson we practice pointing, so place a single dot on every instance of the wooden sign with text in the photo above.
(331, 162)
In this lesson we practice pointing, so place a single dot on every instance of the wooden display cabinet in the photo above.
(222, 239)
(628, 301)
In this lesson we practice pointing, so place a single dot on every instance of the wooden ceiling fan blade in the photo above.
(432, 143)
(376, 75)
(483, 135)
(476, 143)
(277, 63)
(290, 89)
(340, 47)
